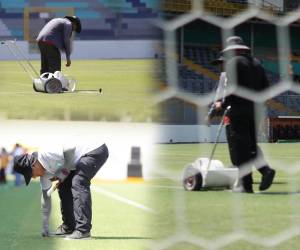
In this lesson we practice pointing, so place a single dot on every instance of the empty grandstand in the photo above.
(199, 42)
(101, 19)
(227, 8)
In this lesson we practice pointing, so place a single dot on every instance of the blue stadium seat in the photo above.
(194, 82)
(15, 4)
(100, 18)
(88, 14)
(67, 4)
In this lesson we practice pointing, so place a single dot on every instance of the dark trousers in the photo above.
(50, 58)
(242, 143)
(75, 194)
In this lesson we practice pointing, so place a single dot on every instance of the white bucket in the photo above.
(72, 84)
(38, 85)
(63, 79)
(68, 83)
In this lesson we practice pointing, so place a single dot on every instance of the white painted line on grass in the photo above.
(122, 199)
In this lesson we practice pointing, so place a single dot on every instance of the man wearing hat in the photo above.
(55, 37)
(246, 71)
(73, 168)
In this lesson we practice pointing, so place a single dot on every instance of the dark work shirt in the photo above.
(58, 31)
(249, 74)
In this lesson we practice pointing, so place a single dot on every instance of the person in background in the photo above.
(241, 120)
(17, 150)
(55, 37)
(4, 159)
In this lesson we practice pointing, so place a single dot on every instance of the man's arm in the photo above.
(67, 42)
(62, 169)
(220, 93)
(45, 205)
(46, 211)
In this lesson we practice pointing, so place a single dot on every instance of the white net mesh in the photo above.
(193, 220)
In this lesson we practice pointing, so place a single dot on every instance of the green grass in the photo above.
(211, 215)
(127, 87)
(208, 215)
(116, 225)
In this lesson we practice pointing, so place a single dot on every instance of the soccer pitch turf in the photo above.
(208, 216)
(127, 90)
(117, 224)
(164, 215)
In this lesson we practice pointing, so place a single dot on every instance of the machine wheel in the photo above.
(53, 85)
(192, 178)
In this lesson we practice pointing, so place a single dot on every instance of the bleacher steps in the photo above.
(281, 107)
(200, 70)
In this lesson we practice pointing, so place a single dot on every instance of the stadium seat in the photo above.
(100, 18)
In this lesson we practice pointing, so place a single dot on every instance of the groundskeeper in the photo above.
(241, 122)
(55, 37)
(73, 168)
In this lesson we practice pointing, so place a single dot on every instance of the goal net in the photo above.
(195, 32)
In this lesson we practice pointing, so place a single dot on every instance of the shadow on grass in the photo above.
(120, 238)
(274, 182)
(280, 193)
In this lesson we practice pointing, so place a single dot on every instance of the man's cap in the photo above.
(235, 43)
(76, 20)
(23, 164)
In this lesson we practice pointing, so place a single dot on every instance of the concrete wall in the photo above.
(189, 133)
(97, 50)
(119, 137)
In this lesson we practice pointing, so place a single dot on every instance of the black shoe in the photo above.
(62, 231)
(267, 179)
(77, 235)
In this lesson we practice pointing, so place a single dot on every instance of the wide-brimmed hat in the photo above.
(76, 20)
(235, 43)
(23, 164)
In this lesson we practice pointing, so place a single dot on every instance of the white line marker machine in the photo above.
(55, 82)
(208, 173)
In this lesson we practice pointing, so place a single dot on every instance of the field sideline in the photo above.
(127, 89)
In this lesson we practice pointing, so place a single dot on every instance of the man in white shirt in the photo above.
(73, 167)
